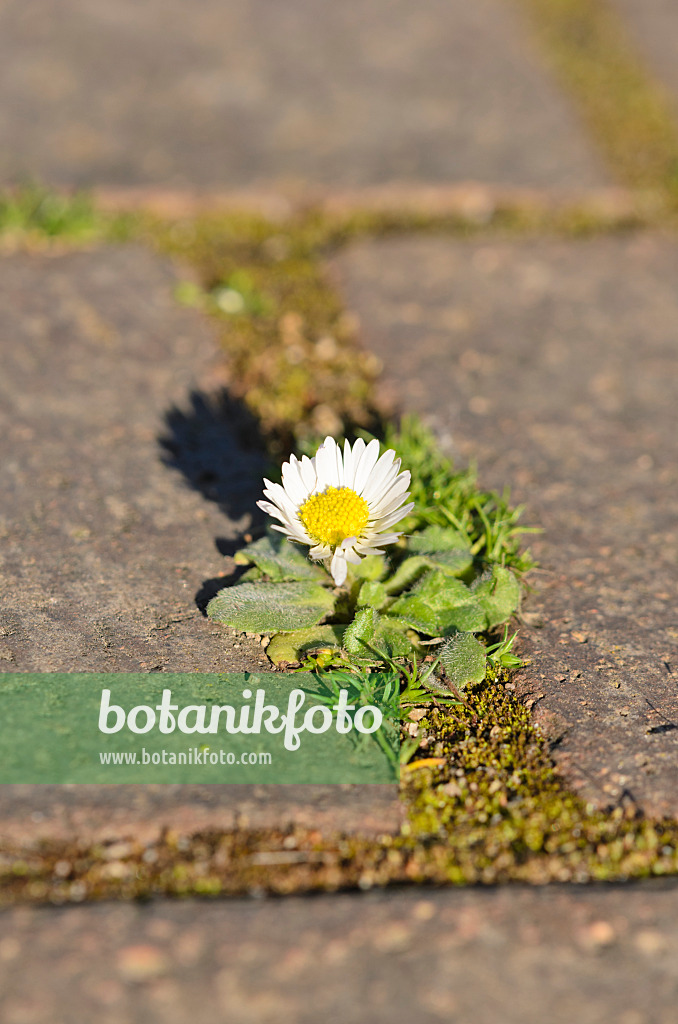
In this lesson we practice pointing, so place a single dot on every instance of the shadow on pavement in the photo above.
(217, 447)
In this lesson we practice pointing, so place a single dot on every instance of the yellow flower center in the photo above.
(334, 515)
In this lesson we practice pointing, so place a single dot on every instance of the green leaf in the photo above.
(455, 563)
(359, 635)
(439, 605)
(463, 659)
(290, 647)
(498, 594)
(438, 538)
(393, 622)
(372, 567)
(441, 591)
(468, 618)
(271, 607)
(406, 573)
(391, 642)
(444, 547)
(417, 614)
(252, 575)
(279, 559)
(373, 594)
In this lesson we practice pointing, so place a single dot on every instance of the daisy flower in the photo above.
(342, 505)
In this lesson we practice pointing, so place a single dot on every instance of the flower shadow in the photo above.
(216, 444)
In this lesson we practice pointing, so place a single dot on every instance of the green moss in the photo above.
(628, 113)
(497, 811)
(35, 216)
(293, 353)
(494, 812)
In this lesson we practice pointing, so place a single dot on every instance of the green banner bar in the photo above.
(198, 728)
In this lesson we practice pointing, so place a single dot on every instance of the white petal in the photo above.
(339, 464)
(326, 465)
(395, 517)
(377, 481)
(338, 567)
(400, 482)
(389, 506)
(320, 552)
(307, 473)
(273, 510)
(390, 478)
(378, 539)
(293, 483)
(365, 466)
(396, 492)
(356, 455)
(347, 548)
(293, 535)
(349, 463)
(279, 497)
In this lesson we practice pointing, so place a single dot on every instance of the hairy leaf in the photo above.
(290, 647)
(372, 567)
(468, 617)
(463, 659)
(441, 591)
(271, 607)
(373, 594)
(439, 605)
(391, 642)
(361, 632)
(444, 547)
(406, 573)
(279, 559)
(417, 614)
(498, 594)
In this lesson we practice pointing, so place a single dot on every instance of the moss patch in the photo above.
(484, 802)
(292, 350)
(293, 353)
(35, 217)
(628, 113)
(492, 812)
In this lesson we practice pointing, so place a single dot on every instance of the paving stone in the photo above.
(124, 475)
(227, 94)
(554, 364)
(513, 955)
(653, 28)
(105, 814)
(105, 545)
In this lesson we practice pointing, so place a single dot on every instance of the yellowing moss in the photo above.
(293, 353)
(629, 115)
(495, 812)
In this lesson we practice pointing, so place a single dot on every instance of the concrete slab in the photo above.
(554, 364)
(653, 28)
(223, 94)
(125, 476)
(106, 546)
(513, 955)
(31, 815)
